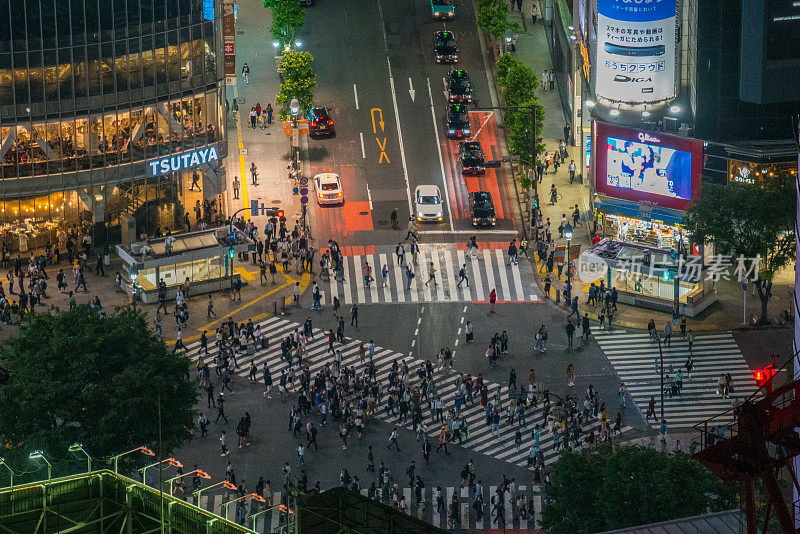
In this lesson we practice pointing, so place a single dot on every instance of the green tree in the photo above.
(78, 377)
(288, 18)
(607, 489)
(519, 84)
(299, 80)
(493, 17)
(749, 220)
(518, 123)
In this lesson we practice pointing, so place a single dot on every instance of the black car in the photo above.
(444, 46)
(457, 121)
(481, 209)
(320, 122)
(471, 156)
(459, 88)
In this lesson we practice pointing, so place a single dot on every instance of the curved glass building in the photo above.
(94, 94)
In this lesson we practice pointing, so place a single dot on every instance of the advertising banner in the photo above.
(229, 41)
(635, 51)
(648, 167)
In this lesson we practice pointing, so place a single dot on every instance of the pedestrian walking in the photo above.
(492, 301)
(235, 186)
(393, 440)
(431, 275)
(462, 276)
(223, 440)
(245, 74)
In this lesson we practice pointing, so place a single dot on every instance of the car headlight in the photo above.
(419, 214)
(451, 131)
(466, 131)
(439, 214)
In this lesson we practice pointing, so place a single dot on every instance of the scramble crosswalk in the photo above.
(635, 358)
(486, 270)
(269, 516)
(478, 437)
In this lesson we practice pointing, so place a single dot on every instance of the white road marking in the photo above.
(355, 93)
(363, 151)
(411, 90)
(399, 132)
(441, 159)
(369, 197)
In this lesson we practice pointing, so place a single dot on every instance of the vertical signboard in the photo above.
(228, 41)
(635, 51)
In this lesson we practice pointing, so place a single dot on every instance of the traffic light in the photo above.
(231, 253)
(764, 375)
(536, 201)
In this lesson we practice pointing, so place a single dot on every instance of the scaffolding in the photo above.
(103, 502)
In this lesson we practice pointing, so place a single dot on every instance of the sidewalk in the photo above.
(269, 148)
(727, 313)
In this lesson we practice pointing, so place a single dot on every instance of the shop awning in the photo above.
(638, 210)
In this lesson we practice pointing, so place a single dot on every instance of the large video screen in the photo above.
(646, 167)
(649, 168)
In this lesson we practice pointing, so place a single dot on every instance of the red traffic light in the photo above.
(764, 375)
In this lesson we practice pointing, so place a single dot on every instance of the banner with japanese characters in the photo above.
(635, 51)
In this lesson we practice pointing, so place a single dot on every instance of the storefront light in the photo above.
(675, 109)
(614, 112)
(645, 113)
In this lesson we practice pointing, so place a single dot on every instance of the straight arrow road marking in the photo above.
(411, 89)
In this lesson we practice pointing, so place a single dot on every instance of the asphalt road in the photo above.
(378, 73)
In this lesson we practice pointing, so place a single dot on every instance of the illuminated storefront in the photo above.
(84, 107)
(642, 184)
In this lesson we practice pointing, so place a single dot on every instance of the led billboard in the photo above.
(648, 167)
(635, 51)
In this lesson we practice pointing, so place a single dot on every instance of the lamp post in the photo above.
(661, 357)
(228, 485)
(172, 461)
(224, 505)
(78, 447)
(39, 455)
(116, 458)
(200, 473)
(568, 236)
(10, 471)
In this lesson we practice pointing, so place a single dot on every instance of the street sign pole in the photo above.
(744, 302)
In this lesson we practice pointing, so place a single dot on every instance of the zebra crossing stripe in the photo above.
(478, 436)
(503, 275)
(476, 277)
(487, 262)
(506, 280)
(637, 361)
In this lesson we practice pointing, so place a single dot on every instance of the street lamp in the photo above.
(227, 484)
(172, 461)
(116, 458)
(661, 356)
(254, 496)
(10, 471)
(39, 455)
(294, 107)
(200, 473)
(568, 237)
(78, 447)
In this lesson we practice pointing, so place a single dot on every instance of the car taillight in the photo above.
(339, 195)
(330, 123)
(321, 195)
(313, 123)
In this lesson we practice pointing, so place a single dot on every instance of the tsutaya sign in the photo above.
(180, 162)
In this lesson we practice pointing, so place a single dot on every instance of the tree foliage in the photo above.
(493, 17)
(288, 18)
(749, 220)
(299, 80)
(78, 377)
(607, 489)
(519, 84)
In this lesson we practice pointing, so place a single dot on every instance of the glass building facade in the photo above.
(90, 91)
